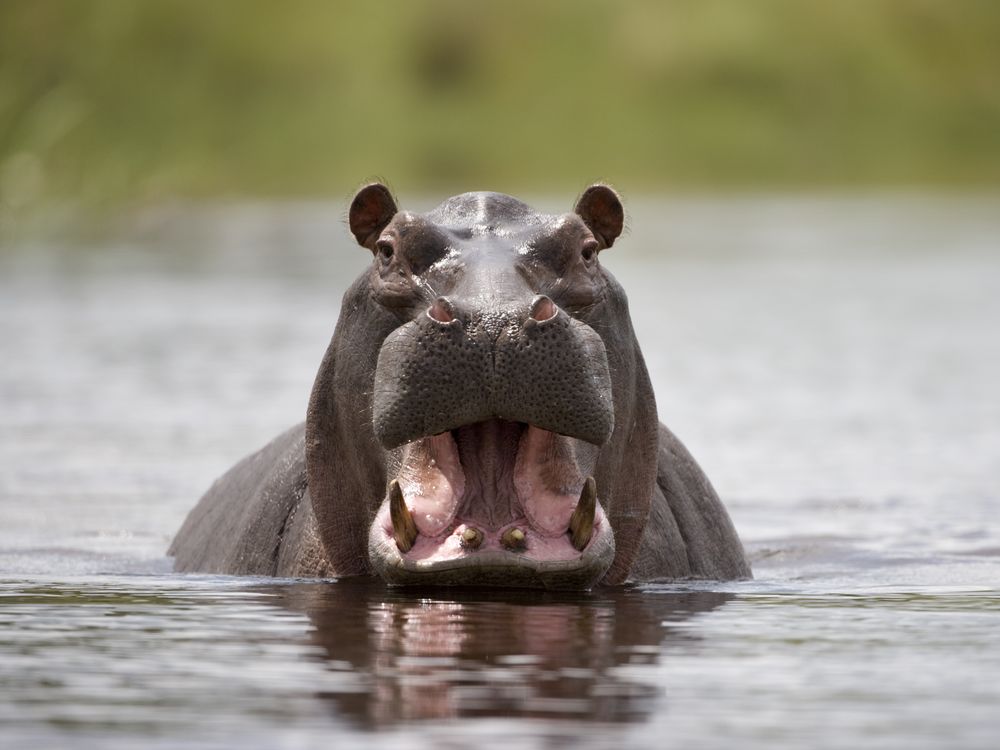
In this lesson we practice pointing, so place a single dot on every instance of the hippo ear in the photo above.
(602, 212)
(372, 208)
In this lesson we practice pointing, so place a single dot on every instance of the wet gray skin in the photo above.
(482, 416)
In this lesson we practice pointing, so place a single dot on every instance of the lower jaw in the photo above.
(491, 567)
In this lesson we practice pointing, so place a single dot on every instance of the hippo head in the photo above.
(483, 414)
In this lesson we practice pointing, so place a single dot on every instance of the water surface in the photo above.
(831, 363)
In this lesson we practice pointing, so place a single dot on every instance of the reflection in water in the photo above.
(436, 654)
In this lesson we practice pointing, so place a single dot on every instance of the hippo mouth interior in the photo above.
(496, 495)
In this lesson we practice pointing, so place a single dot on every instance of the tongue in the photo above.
(488, 451)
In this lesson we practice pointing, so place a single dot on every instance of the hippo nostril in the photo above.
(441, 311)
(543, 308)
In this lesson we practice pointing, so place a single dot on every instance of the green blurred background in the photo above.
(121, 103)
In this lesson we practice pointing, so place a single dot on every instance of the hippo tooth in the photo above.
(471, 538)
(403, 527)
(513, 539)
(581, 523)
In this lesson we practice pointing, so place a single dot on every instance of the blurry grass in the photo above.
(114, 102)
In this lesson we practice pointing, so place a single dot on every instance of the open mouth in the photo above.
(497, 502)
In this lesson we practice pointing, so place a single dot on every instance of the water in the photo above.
(832, 364)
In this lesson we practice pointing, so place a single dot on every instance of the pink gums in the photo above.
(491, 476)
(547, 480)
(433, 482)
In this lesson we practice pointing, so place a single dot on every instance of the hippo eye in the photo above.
(589, 250)
(384, 248)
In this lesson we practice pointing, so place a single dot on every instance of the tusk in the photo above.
(513, 539)
(471, 538)
(581, 523)
(403, 527)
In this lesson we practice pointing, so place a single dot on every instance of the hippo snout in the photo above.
(449, 368)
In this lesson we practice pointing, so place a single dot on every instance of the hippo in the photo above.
(482, 417)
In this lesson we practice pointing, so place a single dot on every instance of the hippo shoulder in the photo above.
(689, 533)
(256, 519)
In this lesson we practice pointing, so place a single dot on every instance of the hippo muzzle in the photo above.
(495, 421)
(434, 375)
